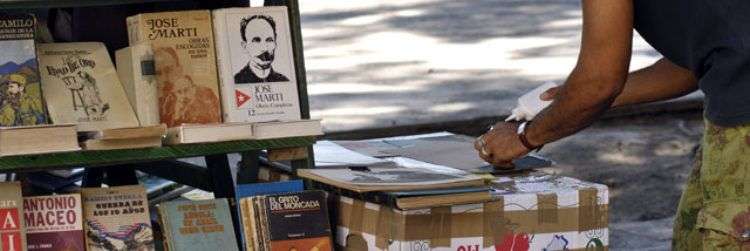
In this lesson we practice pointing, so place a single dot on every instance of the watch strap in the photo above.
(524, 140)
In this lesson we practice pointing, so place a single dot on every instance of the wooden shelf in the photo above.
(30, 4)
(114, 157)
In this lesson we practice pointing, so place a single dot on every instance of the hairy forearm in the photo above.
(576, 106)
(661, 81)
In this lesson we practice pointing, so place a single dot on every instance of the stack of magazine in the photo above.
(391, 171)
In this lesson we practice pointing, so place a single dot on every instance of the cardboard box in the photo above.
(535, 212)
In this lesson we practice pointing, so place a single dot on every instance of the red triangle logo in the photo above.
(241, 97)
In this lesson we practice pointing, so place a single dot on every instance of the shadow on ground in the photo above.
(376, 64)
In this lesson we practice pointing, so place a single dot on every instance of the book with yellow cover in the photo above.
(81, 87)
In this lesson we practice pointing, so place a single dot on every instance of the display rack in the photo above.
(118, 167)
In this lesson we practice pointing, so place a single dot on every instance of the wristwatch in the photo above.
(522, 137)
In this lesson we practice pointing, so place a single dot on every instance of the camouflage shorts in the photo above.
(714, 211)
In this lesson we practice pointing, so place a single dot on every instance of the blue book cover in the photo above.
(250, 190)
(197, 225)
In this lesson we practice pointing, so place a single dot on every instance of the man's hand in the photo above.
(500, 145)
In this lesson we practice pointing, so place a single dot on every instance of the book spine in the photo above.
(266, 225)
(39, 76)
(133, 23)
(218, 20)
(259, 223)
(246, 211)
(165, 228)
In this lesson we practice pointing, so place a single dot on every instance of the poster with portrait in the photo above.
(256, 65)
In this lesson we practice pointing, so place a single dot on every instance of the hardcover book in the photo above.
(197, 225)
(21, 102)
(81, 87)
(12, 229)
(185, 60)
(291, 221)
(135, 67)
(54, 222)
(256, 65)
(117, 218)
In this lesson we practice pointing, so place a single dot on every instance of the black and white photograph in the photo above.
(262, 48)
(256, 66)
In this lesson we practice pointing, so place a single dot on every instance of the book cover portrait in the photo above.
(257, 70)
(185, 62)
(266, 57)
(20, 93)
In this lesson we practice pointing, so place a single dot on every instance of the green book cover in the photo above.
(197, 225)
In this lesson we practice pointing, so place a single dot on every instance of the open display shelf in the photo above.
(28, 4)
(118, 167)
(117, 157)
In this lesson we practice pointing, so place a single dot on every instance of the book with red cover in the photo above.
(54, 222)
(12, 230)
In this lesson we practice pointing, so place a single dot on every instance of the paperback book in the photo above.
(197, 225)
(291, 221)
(12, 229)
(185, 61)
(256, 66)
(81, 87)
(117, 218)
(54, 222)
(21, 102)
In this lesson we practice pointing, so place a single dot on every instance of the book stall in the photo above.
(121, 122)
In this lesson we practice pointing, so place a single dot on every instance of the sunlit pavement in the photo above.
(374, 64)
(380, 64)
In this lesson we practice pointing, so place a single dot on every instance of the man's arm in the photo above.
(661, 81)
(598, 78)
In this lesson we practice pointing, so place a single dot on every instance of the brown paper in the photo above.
(440, 224)
(589, 215)
(547, 206)
(426, 226)
(493, 222)
(356, 216)
(385, 228)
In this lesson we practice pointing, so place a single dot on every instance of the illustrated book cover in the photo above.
(12, 229)
(289, 221)
(21, 101)
(81, 87)
(197, 225)
(54, 222)
(185, 62)
(256, 64)
(117, 218)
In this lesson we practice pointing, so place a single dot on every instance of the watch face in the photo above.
(522, 127)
